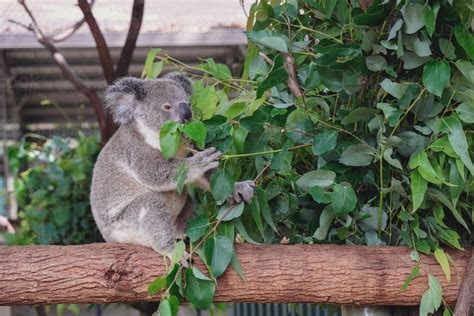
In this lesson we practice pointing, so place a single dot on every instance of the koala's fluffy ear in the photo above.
(183, 81)
(121, 98)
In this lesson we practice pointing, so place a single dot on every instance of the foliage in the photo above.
(52, 185)
(377, 150)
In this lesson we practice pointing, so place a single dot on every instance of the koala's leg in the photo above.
(182, 219)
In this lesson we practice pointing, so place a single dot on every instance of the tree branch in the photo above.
(464, 305)
(68, 32)
(68, 73)
(333, 274)
(101, 44)
(293, 84)
(132, 36)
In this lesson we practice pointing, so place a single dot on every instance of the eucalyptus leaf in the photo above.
(324, 142)
(218, 252)
(357, 156)
(412, 16)
(436, 76)
(169, 139)
(321, 178)
(222, 184)
(343, 199)
(230, 211)
(199, 292)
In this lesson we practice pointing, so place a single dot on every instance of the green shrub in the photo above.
(356, 121)
(52, 184)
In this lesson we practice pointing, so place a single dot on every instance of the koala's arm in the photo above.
(160, 175)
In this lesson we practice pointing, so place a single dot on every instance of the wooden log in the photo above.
(102, 273)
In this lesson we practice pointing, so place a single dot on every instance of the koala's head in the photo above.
(150, 102)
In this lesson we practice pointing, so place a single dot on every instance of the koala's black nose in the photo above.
(185, 111)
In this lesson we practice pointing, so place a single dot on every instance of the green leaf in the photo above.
(222, 184)
(322, 178)
(218, 252)
(277, 75)
(415, 272)
(441, 197)
(165, 308)
(169, 139)
(256, 214)
(431, 299)
(274, 40)
(412, 16)
(148, 69)
(265, 208)
(204, 100)
(181, 177)
(178, 252)
(396, 90)
(425, 168)
(197, 227)
(155, 70)
(357, 156)
(418, 187)
(343, 199)
(235, 263)
(466, 112)
(436, 76)
(391, 113)
(230, 211)
(320, 195)
(429, 17)
(375, 63)
(243, 232)
(199, 292)
(157, 285)
(219, 71)
(359, 114)
(467, 69)
(198, 274)
(196, 131)
(447, 48)
(442, 259)
(325, 220)
(457, 139)
(464, 38)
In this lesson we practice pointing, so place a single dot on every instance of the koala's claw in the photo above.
(206, 160)
(243, 192)
(185, 260)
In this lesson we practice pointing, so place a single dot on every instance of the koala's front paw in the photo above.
(185, 260)
(243, 192)
(205, 160)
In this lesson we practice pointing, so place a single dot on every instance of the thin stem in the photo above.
(381, 193)
(407, 111)
(262, 153)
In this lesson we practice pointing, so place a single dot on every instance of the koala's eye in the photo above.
(166, 106)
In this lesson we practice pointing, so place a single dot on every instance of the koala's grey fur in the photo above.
(133, 194)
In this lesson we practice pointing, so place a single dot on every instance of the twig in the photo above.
(101, 44)
(68, 72)
(131, 41)
(68, 32)
(27, 27)
(293, 84)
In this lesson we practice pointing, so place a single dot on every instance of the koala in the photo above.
(133, 194)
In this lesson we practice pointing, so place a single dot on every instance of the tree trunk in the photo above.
(102, 273)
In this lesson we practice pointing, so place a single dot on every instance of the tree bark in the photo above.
(101, 44)
(131, 41)
(464, 305)
(103, 273)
